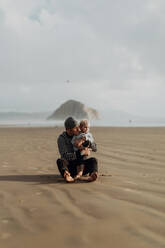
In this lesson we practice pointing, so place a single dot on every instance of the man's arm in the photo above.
(63, 150)
(78, 142)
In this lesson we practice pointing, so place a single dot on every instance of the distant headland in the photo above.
(75, 109)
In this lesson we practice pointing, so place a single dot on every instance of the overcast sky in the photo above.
(111, 51)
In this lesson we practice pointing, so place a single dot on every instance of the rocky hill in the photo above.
(75, 109)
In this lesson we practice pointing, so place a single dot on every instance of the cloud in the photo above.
(112, 48)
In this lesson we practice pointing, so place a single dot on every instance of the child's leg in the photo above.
(80, 170)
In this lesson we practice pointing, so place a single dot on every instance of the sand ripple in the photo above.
(124, 208)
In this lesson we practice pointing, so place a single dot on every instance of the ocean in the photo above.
(55, 123)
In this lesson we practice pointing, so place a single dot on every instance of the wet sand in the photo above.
(124, 208)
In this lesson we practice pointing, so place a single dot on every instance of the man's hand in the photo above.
(78, 142)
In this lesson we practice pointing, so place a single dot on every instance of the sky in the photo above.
(108, 54)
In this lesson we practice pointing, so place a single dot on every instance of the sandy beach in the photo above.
(124, 208)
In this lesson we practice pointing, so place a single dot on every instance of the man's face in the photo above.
(76, 130)
(73, 131)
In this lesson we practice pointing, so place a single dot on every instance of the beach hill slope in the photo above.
(75, 109)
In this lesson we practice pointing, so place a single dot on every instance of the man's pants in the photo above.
(90, 165)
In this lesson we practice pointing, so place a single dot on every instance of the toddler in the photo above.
(83, 139)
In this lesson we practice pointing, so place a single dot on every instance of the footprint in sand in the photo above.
(5, 221)
(33, 209)
(106, 175)
(21, 201)
(33, 168)
(5, 166)
(42, 172)
(130, 182)
(38, 193)
(5, 235)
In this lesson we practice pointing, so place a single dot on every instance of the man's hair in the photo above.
(70, 123)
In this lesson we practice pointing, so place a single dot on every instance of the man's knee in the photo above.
(62, 165)
(94, 160)
(58, 162)
(62, 162)
(94, 163)
(91, 165)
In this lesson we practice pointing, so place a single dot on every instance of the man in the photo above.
(68, 162)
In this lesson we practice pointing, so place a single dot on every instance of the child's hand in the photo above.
(83, 138)
(85, 151)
